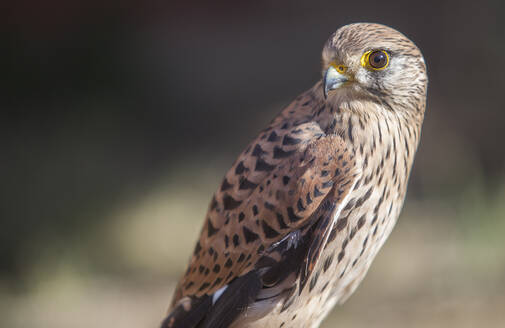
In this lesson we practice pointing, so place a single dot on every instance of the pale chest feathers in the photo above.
(385, 144)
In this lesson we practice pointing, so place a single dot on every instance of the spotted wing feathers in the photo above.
(282, 190)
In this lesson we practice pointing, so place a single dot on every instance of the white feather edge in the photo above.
(339, 209)
(217, 294)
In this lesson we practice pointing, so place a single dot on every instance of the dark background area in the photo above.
(101, 101)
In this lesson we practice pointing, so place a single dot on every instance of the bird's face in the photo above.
(373, 61)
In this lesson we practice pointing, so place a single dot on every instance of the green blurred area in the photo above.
(119, 121)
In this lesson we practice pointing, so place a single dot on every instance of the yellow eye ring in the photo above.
(375, 60)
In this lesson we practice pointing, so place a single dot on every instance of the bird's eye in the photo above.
(375, 59)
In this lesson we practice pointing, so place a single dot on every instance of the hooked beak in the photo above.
(333, 80)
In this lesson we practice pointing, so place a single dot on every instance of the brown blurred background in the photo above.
(119, 119)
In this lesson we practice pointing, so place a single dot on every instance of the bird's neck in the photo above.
(381, 137)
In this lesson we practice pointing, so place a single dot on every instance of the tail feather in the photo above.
(235, 299)
(202, 313)
(188, 313)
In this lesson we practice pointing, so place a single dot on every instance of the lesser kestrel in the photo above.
(301, 214)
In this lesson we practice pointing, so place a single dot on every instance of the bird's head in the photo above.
(374, 61)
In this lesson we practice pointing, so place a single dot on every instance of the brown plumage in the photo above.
(303, 211)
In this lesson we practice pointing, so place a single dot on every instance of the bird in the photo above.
(299, 217)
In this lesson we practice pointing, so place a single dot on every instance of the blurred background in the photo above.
(119, 119)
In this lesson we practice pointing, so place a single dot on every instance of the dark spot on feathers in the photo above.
(241, 217)
(349, 205)
(327, 263)
(287, 140)
(241, 258)
(230, 203)
(317, 193)
(292, 216)
(361, 221)
(236, 240)
(364, 198)
(327, 184)
(258, 151)
(308, 199)
(269, 206)
(246, 184)
(225, 185)
(324, 286)
(313, 282)
(280, 153)
(299, 205)
(287, 304)
(198, 248)
(340, 256)
(240, 168)
(273, 137)
(353, 233)
(268, 230)
(216, 268)
(375, 217)
(217, 282)
(349, 129)
(285, 180)
(255, 210)
(261, 165)
(204, 286)
(249, 235)
(213, 203)
(280, 220)
(344, 243)
(341, 224)
(210, 228)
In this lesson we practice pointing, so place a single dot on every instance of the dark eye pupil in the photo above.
(378, 59)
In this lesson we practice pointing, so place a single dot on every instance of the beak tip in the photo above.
(332, 80)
